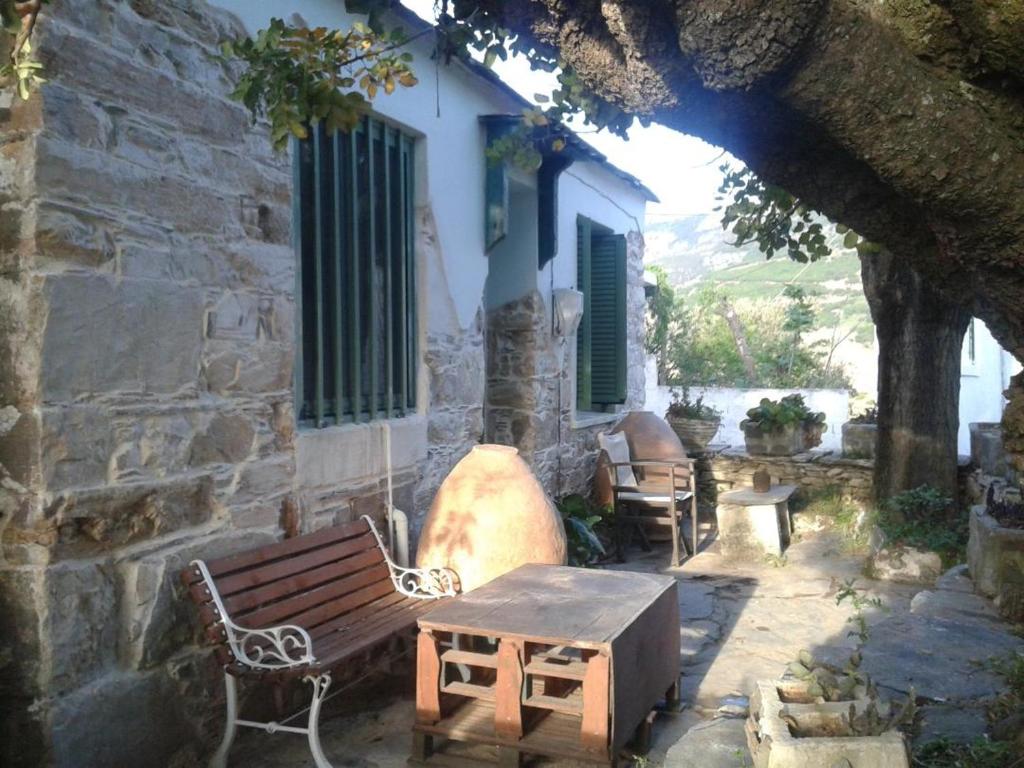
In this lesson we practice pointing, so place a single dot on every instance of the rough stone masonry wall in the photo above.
(146, 323)
(721, 471)
(531, 385)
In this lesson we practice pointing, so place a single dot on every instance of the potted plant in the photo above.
(782, 427)
(859, 435)
(694, 422)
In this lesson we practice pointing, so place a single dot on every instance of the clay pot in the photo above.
(649, 437)
(490, 515)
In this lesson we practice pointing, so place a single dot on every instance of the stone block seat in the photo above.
(304, 608)
(753, 524)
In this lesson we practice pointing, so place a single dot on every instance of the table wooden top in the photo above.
(552, 604)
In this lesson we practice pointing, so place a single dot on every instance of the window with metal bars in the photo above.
(353, 222)
(601, 337)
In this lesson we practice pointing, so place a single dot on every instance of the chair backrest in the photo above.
(617, 448)
(307, 580)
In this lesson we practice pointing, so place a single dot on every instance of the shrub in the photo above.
(682, 407)
(924, 518)
(580, 519)
(867, 416)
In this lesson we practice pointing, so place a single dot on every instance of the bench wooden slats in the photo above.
(344, 645)
(341, 609)
(290, 611)
(359, 619)
(280, 569)
(278, 551)
(300, 582)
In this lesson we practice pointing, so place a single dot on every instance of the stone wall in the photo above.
(720, 471)
(146, 404)
(531, 387)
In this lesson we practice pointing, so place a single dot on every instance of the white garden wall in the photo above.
(734, 403)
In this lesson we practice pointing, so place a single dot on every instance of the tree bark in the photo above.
(903, 120)
(920, 336)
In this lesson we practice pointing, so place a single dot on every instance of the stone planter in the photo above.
(775, 743)
(812, 435)
(987, 448)
(694, 434)
(859, 440)
(784, 442)
(995, 558)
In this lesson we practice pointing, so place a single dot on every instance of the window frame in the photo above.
(345, 198)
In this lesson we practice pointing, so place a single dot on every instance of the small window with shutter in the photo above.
(601, 338)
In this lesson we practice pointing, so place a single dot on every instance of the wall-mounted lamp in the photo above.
(568, 305)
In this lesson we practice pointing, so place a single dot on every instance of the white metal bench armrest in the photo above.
(421, 583)
(270, 648)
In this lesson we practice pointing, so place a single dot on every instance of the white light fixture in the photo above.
(568, 311)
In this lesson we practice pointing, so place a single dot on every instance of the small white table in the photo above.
(751, 524)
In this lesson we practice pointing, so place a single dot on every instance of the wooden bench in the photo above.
(305, 607)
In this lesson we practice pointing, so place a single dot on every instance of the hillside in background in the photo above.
(695, 252)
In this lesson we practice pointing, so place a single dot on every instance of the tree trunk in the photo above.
(739, 335)
(920, 335)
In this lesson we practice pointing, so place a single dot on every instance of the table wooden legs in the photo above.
(594, 729)
(508, 707)
(428, 679)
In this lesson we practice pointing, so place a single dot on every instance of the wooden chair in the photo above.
(649, 492)
(304, 608)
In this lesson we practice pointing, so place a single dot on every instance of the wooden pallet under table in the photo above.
(555, 735)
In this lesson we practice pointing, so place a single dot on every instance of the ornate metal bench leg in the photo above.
(320, 685)
(220, 758)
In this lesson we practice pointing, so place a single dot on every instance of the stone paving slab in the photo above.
(741, 622)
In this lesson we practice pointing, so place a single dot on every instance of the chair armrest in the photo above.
(270, 648)
(424, 583)
(421, 583)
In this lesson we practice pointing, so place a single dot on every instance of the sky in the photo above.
(681, 170)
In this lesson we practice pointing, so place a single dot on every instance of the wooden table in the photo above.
(548, 660)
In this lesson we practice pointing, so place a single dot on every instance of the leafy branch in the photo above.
(778, 222)
(18, 18)
(297, 76)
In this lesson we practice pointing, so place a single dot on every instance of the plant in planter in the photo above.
(694, 422)
(859, 435)
(782, 427)
(995, 553)
(821, 714)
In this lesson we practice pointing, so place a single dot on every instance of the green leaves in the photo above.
(295, 76)
(579, 520)
(778, 222)
(18, 20)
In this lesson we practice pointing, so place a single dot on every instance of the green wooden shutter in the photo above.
(608, 319)
(583, 332)
(601, 339)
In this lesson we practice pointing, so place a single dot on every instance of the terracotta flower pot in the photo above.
(490, 516)
(694, 434)
(649, 437)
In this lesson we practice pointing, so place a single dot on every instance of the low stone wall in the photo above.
(728, 469)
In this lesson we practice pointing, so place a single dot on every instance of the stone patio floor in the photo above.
(739, 623)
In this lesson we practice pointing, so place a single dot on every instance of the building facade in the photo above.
(185, 376)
